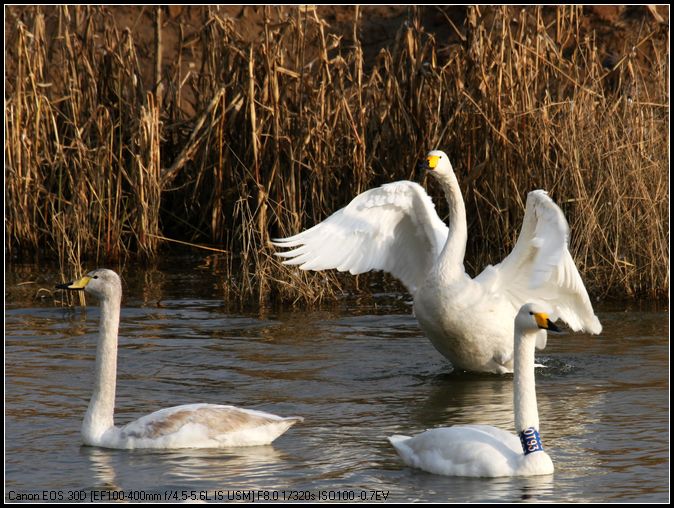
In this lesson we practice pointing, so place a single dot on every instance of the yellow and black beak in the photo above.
(431, 162)
(543, 321)
(75, 285)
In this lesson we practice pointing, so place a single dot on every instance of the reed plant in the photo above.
(107, 157)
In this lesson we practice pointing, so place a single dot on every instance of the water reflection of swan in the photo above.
(245, 467)
(395, 228)
(102, 468)
(513, 489)
(466, 398)
(186, 426)
(482, 450)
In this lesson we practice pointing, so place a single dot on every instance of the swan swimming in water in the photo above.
(186, 426)
(469, 320)
(483, 450)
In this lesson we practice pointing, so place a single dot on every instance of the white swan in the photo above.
(187, 426)
(395, 228)
(482, 450)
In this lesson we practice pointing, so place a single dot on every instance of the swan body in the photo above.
(186, 426)
(395, 228)
(482, 450)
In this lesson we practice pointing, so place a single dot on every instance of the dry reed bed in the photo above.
(101, 165)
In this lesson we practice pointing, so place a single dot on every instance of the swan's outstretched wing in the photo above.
(540, 267)
(393, 228)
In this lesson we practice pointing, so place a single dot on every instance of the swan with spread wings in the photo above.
(395, 228)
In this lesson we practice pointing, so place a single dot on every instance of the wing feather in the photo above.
(393, 228)
(540, 267)
(213, 421)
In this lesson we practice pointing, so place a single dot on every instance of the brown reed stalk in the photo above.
(263, 138)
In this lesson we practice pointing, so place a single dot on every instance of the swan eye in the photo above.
(95, 277)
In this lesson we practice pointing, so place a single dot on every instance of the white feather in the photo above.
(395, 228)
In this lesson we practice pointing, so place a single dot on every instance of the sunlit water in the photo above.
(357, 375)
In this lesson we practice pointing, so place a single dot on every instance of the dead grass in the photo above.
(101, 166)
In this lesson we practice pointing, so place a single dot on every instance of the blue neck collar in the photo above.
(531, 441)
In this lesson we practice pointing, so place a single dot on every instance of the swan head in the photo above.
(533, 317)
(437, 163)
(102, 283)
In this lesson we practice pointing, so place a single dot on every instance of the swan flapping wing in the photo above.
(393, 228)
(540, 267)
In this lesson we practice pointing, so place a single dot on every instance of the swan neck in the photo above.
(526, 408)
(99, 415)
(451, 258)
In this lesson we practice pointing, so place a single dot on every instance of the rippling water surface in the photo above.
(356, 374)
